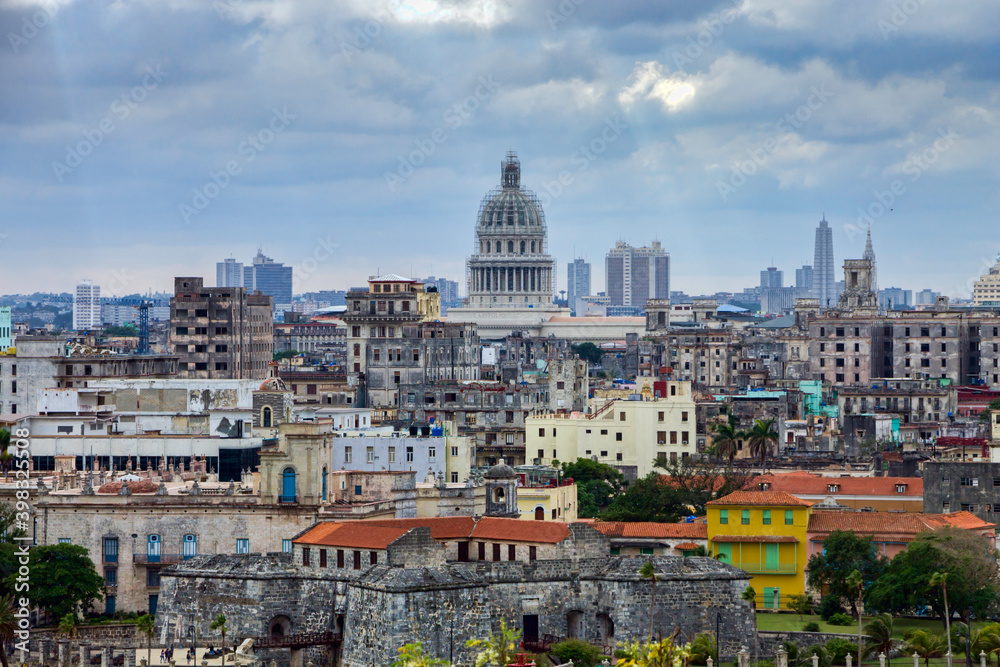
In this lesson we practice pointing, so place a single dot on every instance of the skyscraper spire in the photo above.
(870, 255)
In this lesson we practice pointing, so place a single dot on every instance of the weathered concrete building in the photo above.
(366, 590)
(970, 487)
(221, 332)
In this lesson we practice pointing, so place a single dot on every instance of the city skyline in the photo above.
(354, 138)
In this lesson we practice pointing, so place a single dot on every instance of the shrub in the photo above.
(580, 652)
(811, 626)
(838, 649)
(840, 619)
(829, 606)
(806, 654)
(702, 648)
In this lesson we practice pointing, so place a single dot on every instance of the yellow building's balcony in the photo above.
(767, 568)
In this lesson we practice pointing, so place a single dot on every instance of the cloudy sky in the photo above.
(140, 140)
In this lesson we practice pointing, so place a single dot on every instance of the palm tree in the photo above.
(5, 456)
(8, 625)
(144, 626)
(856, 581)
(67, 625)
(760, 437)
(925, 645)
(941, 579)
(219, 623)
(879, 631)
(725, 439)
(984, 640)
(648, 571)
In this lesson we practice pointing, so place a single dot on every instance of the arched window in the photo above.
(522, 247)
(265, 417)
(324, 483)
(498, 247)
(190, 546)
(287, 486)
(510, 247)
(498, 495)
(539, 513)
(532, 246)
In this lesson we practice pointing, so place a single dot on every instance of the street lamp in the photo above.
(718, 643)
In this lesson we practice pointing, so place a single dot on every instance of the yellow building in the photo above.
(628, 435)
(763, 533)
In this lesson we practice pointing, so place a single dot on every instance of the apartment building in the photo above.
(626, 434)
(220, 332)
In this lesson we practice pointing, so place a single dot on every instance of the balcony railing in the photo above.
(767, 568)
(287, 499)
(157, 559)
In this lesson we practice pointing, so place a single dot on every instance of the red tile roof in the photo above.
(893, 523)
(442, 528)
(650, 529)
(351, 534)
(516, 530)
(686, 546)
(806, 483)
(760, 499)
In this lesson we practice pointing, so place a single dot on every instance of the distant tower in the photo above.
(870, 255)
(577, 282)
(501, 491)
(823, 269)
(87, 306)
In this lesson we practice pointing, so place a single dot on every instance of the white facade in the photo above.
(87, 306)
(229, 273)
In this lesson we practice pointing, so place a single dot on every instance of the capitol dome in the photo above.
(511, 265)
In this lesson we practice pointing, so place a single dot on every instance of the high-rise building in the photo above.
(87, 306)
(221, 332)
(823, 269)
(6, 339)
(272, 278)
(895, 298)
(775, 298)
(577, 282)
(229, 273)
(448, 289)
(804, 281)
(986, 290)
(635, 275)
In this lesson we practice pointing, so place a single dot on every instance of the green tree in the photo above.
(925, 645)
(287, 354)
(984, 416)
(579, 651)
(219, 623)
(8, 625)
(761, 436)
(67, 626)
(967, 569)
(648, 499)
(845, 552)
(5, 456)
(803, 604)
(412, 655)
(596, 483)
(499, 648)
(703, 647)
(144, 626)
(725, 439)
(879, 631)
(589, 352)
(9, 530)
(62, 576)
(648, 571)
(124, 330)
(857, 582)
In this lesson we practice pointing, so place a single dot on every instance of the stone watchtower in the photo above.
(501, 491)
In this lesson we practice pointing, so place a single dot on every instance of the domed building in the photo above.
(511, 276)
